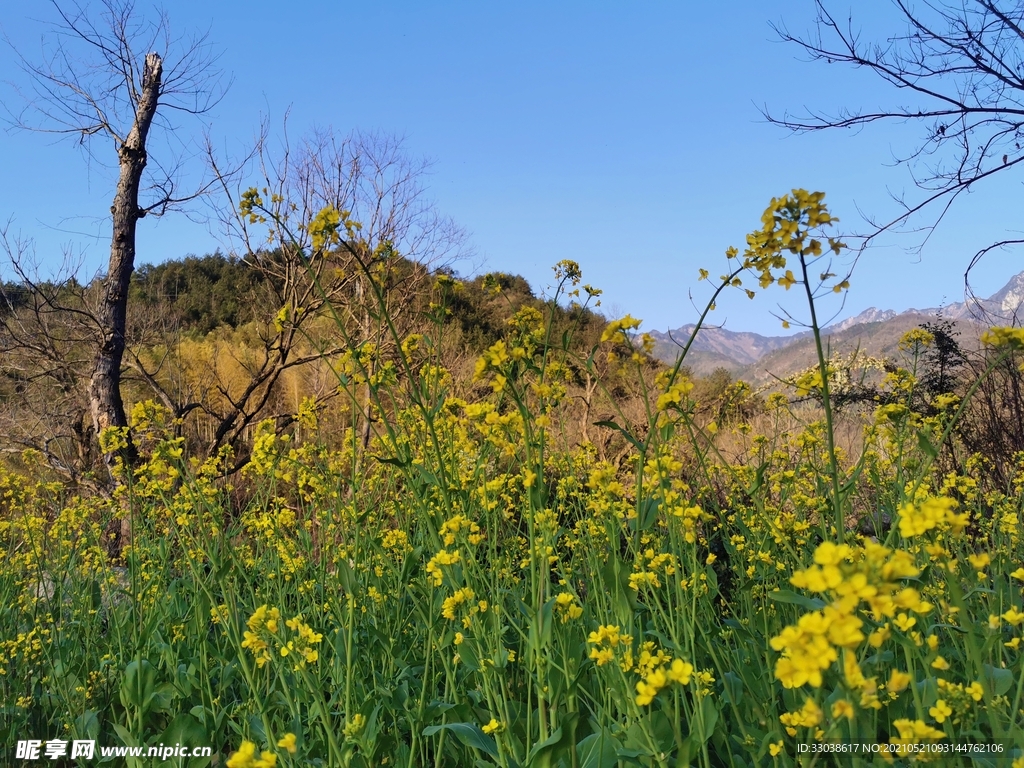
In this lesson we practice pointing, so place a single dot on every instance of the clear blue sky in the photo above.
(625, 136)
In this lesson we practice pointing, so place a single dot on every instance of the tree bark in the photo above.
(105, 384)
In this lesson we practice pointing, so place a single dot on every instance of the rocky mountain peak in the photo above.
(739, 350)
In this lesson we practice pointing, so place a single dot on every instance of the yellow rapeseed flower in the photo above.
(940, 711)
(904, 623)
(843, 708)
(353, 726)
(1004, 337)
(287, 742)
(614, 332)
(898, 681)
(680, 671)
(979, 561)
(244, 757)
(912, 731)
(1013, 617)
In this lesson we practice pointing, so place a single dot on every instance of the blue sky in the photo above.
(624, 136)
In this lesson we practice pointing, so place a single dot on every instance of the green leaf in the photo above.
(687, 750)
(469, 734)
(709, 716)
(412, 562)
(597, 750)
(428, 478)
(88, 724)
(256, 732)
(758, 479)
(712, 582)
(184, 729)
(615, 575)
(543, 747)
(126, 736)
(997, 681)
(394, 461)
(468, 656)
(648, 513)
(372, 727)
(631, 756)
(928, 691)
(138, 685)
(346, 577)
(926, 445)
(556, 745)
(163, 696)
(733, 685)
(950, 627)
(788, 596)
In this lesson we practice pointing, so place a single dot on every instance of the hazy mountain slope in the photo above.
(875, 331)
(880, 339)
(730, 349)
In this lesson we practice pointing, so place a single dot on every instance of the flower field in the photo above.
(470, 583)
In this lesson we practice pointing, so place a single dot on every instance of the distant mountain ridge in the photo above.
(1005, 306)
(743, 347)
(876, 331)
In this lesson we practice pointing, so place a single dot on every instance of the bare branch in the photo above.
(962, 66)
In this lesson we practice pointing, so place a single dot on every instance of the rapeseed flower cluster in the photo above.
(396, 542)
(676, 389)
(914, 732)
(263, 632)
(493, 726)
(649, 566)
(808, 716)
(246, 757)
(870, 575)
(463, 597)
(493, 359)
(615, 331)
(606, 640)
(353, 727)
(786, 228)
(302, 645)
(956, 700)
(442, 558)
(916, 338)
(566, 607)
(654, 680)
(920, 517)
(288, 743)
(263, 622)
(460, 524)
(1004, 337)
(608, 499)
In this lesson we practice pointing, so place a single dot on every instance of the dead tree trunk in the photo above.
(105, 384)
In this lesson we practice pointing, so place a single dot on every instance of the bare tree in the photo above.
(958, 70)
(110, 76)
(47, 336)
(323, 294)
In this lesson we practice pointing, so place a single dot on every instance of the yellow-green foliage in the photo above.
(472, 587)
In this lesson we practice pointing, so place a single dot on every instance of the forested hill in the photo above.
(200, 294)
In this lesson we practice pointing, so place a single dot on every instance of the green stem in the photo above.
(826, 400)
